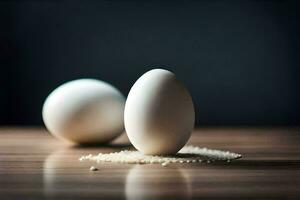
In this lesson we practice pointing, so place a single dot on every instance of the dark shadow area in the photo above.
(239, 59)
(108, 145)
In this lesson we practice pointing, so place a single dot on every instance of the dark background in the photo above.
(239, 59)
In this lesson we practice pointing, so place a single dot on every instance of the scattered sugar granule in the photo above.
(188, 154)
(93, 168)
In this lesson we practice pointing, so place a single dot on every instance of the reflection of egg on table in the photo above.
(147, 182)
(85, 111)
(159, 113)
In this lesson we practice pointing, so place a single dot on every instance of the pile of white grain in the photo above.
(188, 154)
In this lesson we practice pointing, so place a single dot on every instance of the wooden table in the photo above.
(34, 165)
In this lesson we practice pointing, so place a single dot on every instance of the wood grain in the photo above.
(34, 165)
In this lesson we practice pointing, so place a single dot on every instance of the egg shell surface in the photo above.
(159, 113)
(84, 111)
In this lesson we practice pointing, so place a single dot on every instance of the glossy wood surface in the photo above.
(34, 165)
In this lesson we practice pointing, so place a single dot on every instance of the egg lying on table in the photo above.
(159, 113)
(85, 111)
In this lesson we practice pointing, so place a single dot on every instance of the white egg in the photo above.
(85, 111)
(159, 113)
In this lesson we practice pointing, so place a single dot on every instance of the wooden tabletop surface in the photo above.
(34, 165)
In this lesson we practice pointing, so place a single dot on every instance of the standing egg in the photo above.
(85, 111)
(159, 113)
